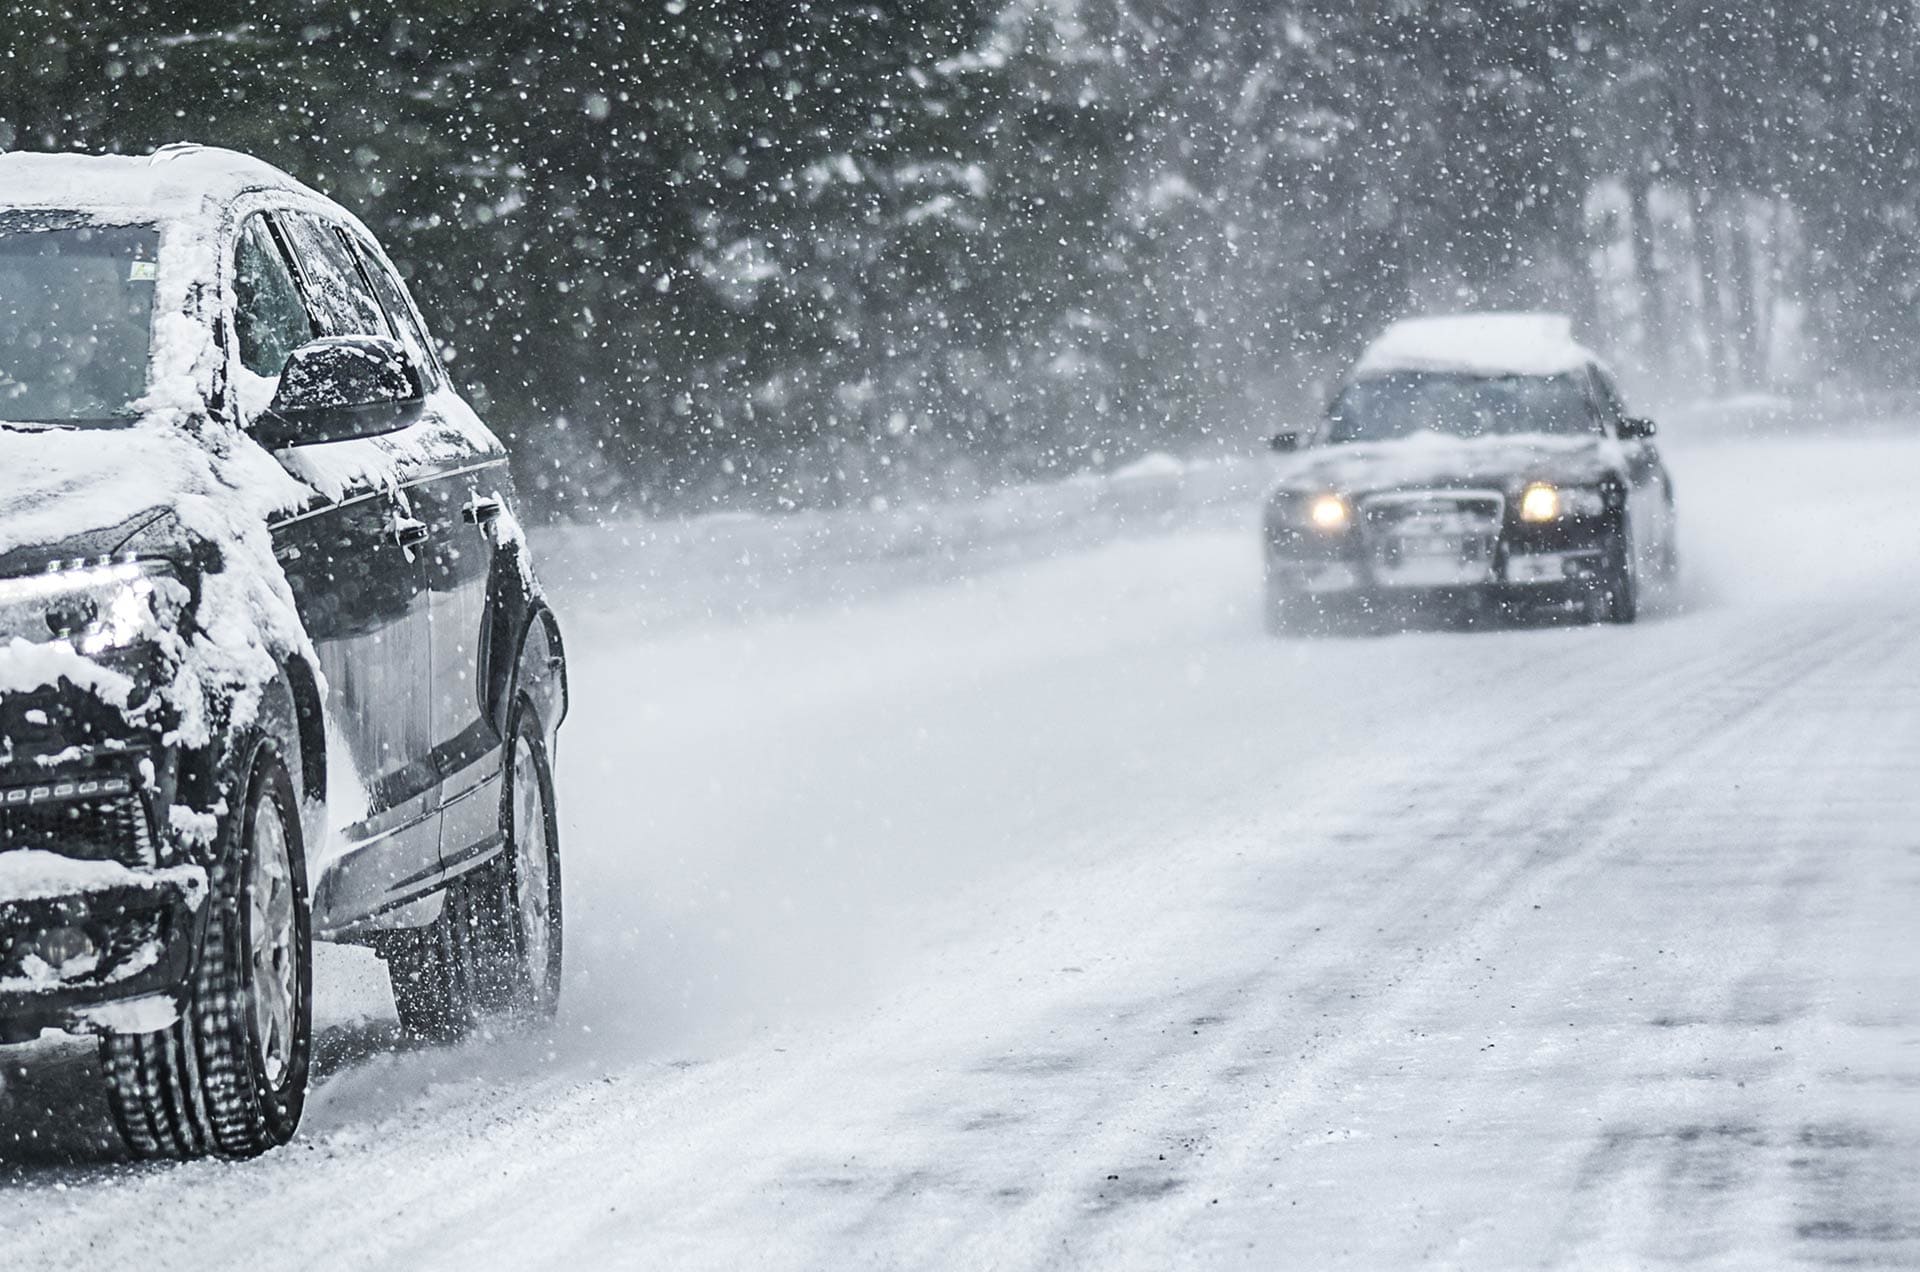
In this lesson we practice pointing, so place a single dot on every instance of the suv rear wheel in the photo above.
(229, 1077)
(495, 950)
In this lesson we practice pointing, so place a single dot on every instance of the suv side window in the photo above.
(400, 312)
(269, 317)
(338, 295)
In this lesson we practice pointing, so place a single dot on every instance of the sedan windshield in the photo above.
(76, 312)
(1391, 406)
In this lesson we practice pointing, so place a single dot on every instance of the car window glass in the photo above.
(341, 302)
(76, 318)
(393, 297)
(1404, 404)
(269, 317)
(1611, 408)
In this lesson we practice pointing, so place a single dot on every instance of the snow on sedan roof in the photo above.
(174, 182)
(1478, 344)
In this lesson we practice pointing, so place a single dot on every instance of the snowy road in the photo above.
(1055, 917)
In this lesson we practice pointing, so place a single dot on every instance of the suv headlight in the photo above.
(92, 607)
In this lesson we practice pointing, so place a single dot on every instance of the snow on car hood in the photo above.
(86, 492)
(1435, 459)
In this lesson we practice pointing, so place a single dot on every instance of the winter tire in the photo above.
(495, 951)
(1616, 596)
(1277, 608)
(1274, 613)
(229, 1077)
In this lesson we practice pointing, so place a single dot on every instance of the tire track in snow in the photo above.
(1423, 914)
(1319, 1090)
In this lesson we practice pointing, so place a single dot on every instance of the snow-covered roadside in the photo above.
(661, 574)
(658, 574)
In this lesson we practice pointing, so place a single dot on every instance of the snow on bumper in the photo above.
(92, 945)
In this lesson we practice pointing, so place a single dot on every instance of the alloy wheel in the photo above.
(272, 937)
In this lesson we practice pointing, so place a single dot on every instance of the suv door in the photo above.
(357, 565)
(462, 502)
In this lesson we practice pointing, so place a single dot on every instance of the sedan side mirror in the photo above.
(1636, 428)
(1285, 443)
(342, 387)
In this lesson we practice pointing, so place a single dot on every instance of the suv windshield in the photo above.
(1391, 406)
(76, 312)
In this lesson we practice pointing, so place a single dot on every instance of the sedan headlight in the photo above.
(92, 607)
(1543, 501)
(1329, 513)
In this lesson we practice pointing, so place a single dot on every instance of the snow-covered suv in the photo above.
(1477, 459)
(273, 664)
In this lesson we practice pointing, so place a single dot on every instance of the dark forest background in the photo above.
(779, 253)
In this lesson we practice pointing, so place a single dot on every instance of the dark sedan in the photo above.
(1471, 463)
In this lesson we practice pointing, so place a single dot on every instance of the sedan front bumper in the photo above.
(1439, 542)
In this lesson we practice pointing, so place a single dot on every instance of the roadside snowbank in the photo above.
(730, 564)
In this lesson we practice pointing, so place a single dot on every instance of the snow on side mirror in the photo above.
(342, 387)
(1636, 428)
(1284, 443)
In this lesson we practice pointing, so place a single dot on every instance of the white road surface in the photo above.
(1055, 917)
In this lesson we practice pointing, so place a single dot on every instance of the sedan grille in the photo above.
(1432, 538)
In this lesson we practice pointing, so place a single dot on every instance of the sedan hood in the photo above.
(1505, 462)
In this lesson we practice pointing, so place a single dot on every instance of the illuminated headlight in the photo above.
(1543, 501)
(1329, 513)
(92, 607)
(1540, 502)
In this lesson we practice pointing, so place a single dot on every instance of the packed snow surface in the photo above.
(1049, 915)
(1477, 344)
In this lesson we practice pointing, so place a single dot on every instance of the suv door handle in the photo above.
(480, 511)
(405, 531)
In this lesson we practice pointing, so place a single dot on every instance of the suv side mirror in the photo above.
(342, 387)
(1636, 428)
(1285, 443)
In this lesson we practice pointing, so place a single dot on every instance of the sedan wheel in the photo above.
(1615, 597)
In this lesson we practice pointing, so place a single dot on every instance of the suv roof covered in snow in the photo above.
(1493, 344)
(173, 183)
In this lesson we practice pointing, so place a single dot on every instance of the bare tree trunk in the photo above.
(1646, 270)
(1746, 307)
(1776, 279)
(1706, 259)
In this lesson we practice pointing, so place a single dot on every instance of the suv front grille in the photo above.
(104, 828)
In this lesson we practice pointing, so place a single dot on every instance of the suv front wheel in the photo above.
(229, 1077)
